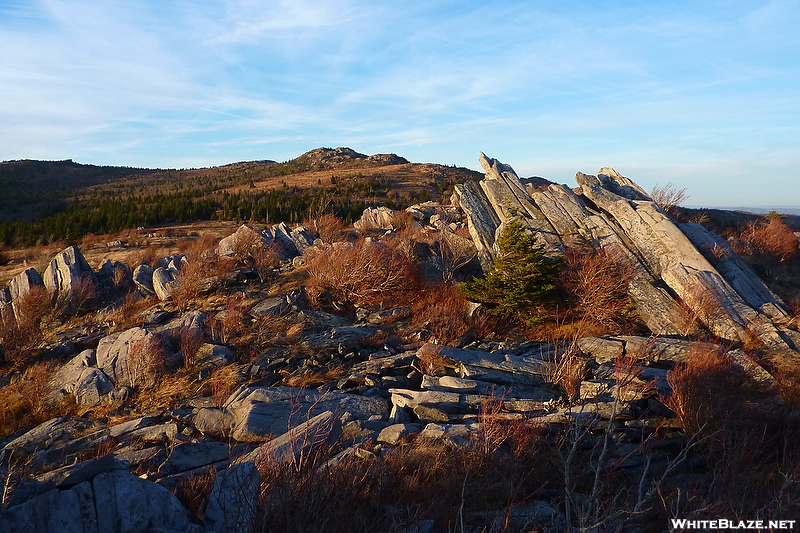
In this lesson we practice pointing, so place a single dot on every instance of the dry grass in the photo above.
(223, 382)
(168, 392)
(23, 403)
(128, 313)
(314, 377)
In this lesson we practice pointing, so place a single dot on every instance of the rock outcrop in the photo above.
(671, 280)
(68, 274)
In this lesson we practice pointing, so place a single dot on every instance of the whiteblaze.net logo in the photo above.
(679, 524)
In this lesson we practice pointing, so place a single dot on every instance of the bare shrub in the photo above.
(188, 287)
(362, 273)
(147, 361)
(402, 220)
(329, 227)
(245, 243)
(442, 310)
(773, 239)
(266, 260)
(195, 491)
(191, 341)
(669, 196)
(567, 368)
(22, 330)
(743, 436)
(431, 362)
(493, 431)
(230, 322)
(597, 282)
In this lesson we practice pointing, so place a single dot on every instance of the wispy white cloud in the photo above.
(550, 88)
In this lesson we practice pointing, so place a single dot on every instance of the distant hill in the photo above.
(42, 201)
(29, 189)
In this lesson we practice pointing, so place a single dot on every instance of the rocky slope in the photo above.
(372, 382)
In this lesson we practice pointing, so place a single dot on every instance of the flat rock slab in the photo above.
(528, 369)
(349, 336)
(260, 412)
(190, 455)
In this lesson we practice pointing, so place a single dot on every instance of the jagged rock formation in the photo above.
(66, 273)
(612, 212)
(291, 242)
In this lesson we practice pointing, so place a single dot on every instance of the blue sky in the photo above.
(702, 94)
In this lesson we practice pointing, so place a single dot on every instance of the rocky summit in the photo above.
(319, 377)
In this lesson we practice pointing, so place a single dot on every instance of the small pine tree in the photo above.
(521, 278)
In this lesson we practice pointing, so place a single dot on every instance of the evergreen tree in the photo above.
(522, 277)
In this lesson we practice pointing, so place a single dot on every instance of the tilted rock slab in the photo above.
(672, 284)
(671, 256)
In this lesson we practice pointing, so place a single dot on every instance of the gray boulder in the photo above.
(375, 218)
(232, 505)
(68, 274)
(131, 357)
(164, 282)
(191, 455)
(143, 279)
(229, 245)
(258, 412)
(215, 355)
(482, 221)
(79, 378)
(22, 284)
(113, 275)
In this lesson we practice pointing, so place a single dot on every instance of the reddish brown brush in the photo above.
(442, 310)
(195, 490)
(362, 273)
(188, 288)
(329, 228)
(191, 341)
(266, 260)
(597, 282)
(21, 330)
(774, 239)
